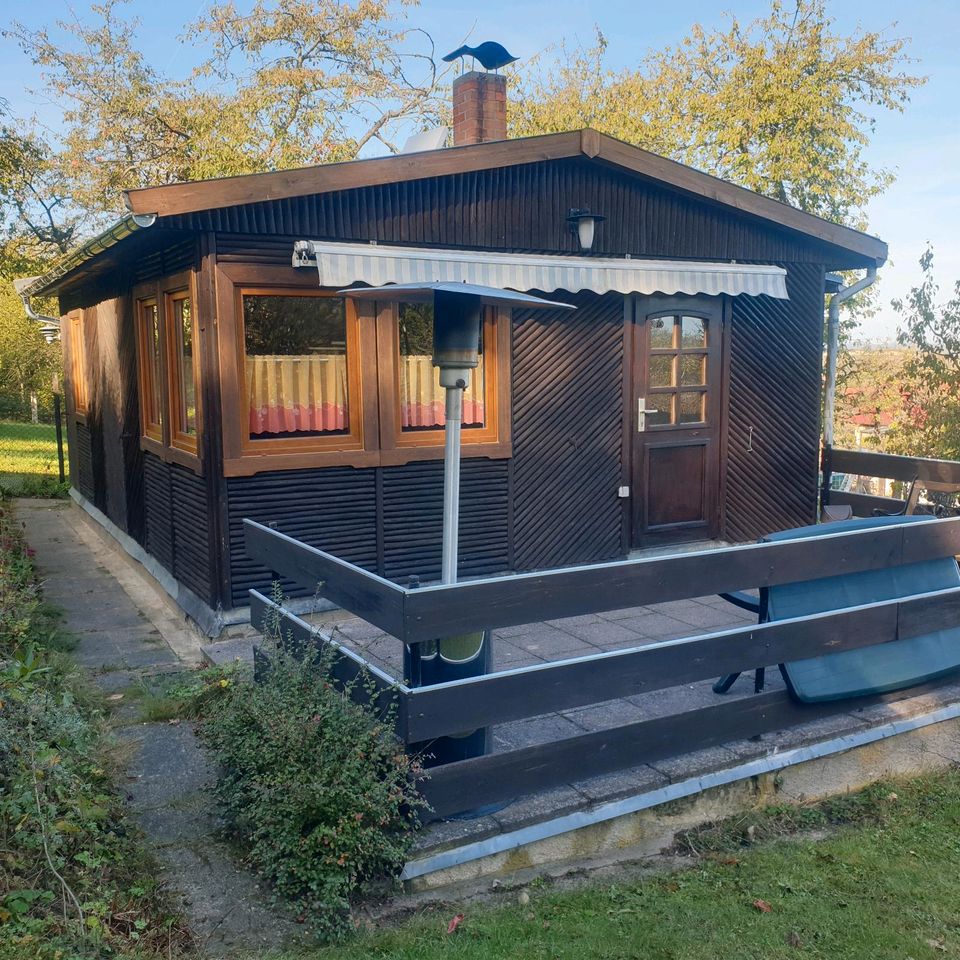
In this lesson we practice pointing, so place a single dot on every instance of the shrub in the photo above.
(314, 786)
(74, 882)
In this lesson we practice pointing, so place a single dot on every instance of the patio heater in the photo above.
(457, 314)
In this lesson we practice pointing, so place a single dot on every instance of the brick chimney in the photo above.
(479, 108)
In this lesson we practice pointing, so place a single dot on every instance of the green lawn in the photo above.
(28, 459)
(886, 885)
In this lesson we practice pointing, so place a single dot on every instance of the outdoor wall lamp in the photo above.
(583, 223)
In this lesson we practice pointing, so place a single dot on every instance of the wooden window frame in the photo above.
(490, 440)
(169, 443)
(149, 430)
(178, 440)
(677, 352)
(78, 365)
(372, 332)
(353, 439)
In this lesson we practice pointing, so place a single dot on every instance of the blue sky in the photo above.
(922, 145)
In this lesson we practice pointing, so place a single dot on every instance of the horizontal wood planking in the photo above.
(863, 504)
(333, 509)
(546, 688)
(365, 594)
(505, 601)
(347, 668)
(507, 776)
(866, 463)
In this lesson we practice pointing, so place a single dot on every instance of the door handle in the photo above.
(642, 411)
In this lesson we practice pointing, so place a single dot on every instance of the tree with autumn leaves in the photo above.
(783, 105)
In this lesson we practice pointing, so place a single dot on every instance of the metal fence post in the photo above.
(57, 421)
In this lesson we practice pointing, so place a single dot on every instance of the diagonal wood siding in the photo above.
(775, 356)
(567, 415)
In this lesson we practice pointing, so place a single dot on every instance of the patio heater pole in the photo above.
(456, 336)
(457, 315)
(451, 481)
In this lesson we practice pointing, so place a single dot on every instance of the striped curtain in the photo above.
(290, 394)
(422, 397)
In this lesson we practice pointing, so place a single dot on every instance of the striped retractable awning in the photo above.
(343, 264)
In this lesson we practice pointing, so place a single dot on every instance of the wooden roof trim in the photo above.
(181, 198)
(700, 184)
(176, 198)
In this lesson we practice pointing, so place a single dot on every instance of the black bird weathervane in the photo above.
(492, 55)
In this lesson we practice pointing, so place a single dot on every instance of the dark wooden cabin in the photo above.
(169, 446)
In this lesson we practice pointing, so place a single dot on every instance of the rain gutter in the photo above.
(129, 223)
(830, 387)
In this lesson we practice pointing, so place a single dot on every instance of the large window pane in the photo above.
(295, 365)
(421, 396)
(153, 374)
(187, 387)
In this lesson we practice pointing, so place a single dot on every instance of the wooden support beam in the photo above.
(496, 777)
(546, 688)
(444, 610)
(866, 463)
(376, 600)
(864, 504)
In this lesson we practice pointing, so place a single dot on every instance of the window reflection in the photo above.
(295, 365)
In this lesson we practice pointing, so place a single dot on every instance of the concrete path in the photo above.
(130, 634)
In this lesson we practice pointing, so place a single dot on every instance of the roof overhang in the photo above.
(183, 198)
(343, 264)
(112, 235)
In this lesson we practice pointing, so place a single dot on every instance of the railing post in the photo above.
(826, 474)
(57, 417)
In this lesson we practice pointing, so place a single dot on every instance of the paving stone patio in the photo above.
(128, 633)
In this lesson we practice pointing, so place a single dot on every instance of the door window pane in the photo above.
(295, 365)
(183, 331)
(693, 332)
(662, 405)
(691, 407)
(661, 333)
(422, 399)
(692, 369)
(661, 372)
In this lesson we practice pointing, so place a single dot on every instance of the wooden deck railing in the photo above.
(886, 466)
(423, 713)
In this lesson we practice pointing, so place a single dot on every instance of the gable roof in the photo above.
(181, 198)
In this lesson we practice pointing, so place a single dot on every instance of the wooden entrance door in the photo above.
(676, 419)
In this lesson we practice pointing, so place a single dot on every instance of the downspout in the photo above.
(830, 388)
(49, 326)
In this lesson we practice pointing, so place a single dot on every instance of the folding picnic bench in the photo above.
(879, 668)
